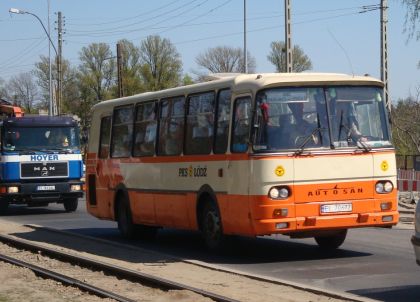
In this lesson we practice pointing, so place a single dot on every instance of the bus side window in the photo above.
(171, 126)
(200, 123)
(241, 126)
(122, 132)
(104, 137)
(222, 122)
(145, 129)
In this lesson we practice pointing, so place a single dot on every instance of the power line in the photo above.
(124, 19)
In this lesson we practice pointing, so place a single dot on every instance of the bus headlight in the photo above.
(279, 193)
(384, 187)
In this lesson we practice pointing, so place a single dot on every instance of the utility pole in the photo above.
(384, 51)
(59, 64)
(288, 35)
(245, 51)
(119, 69)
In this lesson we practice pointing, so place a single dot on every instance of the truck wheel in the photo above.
(333, 241)
(4, 205)
(124, 218)
(211, 226)
(70, 205)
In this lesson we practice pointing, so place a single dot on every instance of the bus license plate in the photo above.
(336, 208)
(45, 188)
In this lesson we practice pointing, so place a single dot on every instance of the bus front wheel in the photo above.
(211, 226)
(332, 241)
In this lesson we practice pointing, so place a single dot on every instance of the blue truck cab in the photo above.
(40, 162)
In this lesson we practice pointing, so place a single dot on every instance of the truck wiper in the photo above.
(308, 139)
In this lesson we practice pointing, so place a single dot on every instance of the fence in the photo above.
(408, 180)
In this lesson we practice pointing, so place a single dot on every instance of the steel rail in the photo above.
(128, 274)
(48, 274)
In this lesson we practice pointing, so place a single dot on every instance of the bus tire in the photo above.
(70, 205)
(211, 226)
(331, 242)
(124, 218)
(4, 205)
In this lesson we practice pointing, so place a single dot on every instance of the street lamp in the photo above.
(22, 12)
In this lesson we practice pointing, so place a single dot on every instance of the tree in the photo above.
(406, 125)
(70, 92)
(23, 91)
(3, 91)
(161, 63)
(97, 69)
(277, 57)
(412, 17)
(225, 59)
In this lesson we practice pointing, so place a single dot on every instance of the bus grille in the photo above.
(44, 170)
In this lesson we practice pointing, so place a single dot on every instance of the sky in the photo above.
(337, 35)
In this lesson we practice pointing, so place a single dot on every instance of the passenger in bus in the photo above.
(241, 128)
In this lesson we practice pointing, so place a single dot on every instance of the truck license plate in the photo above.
(336, 208)
(45, 188)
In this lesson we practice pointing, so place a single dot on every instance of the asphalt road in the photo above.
(373, 263)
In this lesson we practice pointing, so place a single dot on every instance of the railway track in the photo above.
(74, 264)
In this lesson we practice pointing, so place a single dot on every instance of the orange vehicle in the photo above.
(305, 155)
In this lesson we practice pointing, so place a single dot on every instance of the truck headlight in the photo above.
(75, 188)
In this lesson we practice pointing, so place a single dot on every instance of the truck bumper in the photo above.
(32, 193)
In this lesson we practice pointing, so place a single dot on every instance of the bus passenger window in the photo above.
(122, 132)
(171, 127)
(241, 127)
(222, 123)
(104, 137)
(200, 121)
(145, 130)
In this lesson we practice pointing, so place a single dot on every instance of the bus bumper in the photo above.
(327, 222)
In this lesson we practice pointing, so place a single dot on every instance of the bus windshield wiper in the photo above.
(357, 139)
(308, 139)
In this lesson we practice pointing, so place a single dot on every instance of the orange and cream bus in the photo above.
(304, 155)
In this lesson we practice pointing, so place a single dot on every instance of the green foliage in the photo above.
(161, 64)
(223, 59)
(406, 125)
(277, 57)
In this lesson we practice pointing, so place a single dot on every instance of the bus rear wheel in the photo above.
(124, 219)
(211, 226)
(70, 205)
(331, 242)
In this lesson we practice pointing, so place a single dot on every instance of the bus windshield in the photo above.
(40, 139)
(320, 117)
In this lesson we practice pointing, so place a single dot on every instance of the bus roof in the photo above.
(247, 82)
(40, 121)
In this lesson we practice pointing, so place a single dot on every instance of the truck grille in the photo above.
(44, 170)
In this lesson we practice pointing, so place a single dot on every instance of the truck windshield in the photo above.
(319, 117)
(40, 139)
